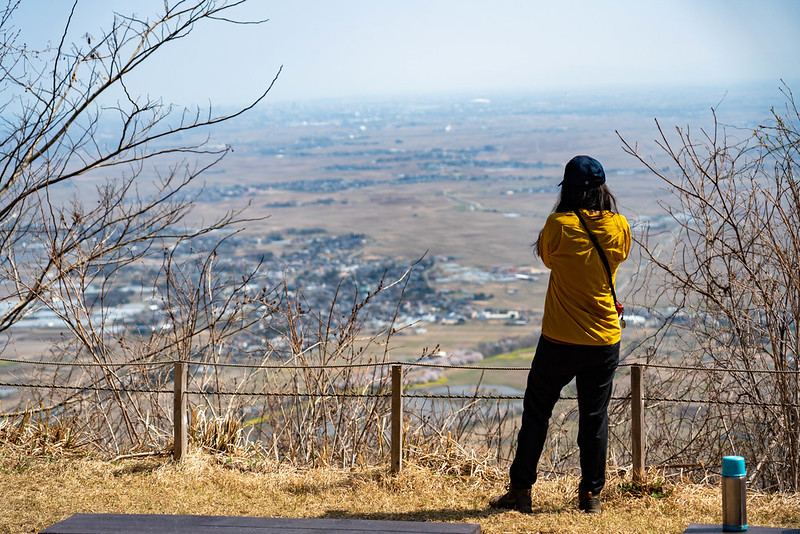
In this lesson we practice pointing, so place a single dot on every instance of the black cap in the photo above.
(584, 172)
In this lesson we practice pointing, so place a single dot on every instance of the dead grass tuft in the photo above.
(447, 456)
(216, 434)
(31, 434)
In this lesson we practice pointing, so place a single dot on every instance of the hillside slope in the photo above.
(38, 492)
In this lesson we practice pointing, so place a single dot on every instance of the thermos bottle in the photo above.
(734, 494)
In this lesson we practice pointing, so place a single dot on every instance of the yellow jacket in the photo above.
(579, 308)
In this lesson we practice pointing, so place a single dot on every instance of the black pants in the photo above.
(553, 367)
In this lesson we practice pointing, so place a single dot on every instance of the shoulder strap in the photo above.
(603, 257)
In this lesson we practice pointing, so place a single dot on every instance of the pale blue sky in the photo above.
(373, 48)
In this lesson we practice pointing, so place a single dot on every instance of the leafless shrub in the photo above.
(333, 407)
(70, 118)
(726, 283)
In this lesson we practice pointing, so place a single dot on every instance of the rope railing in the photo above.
(261, 365)
(84, 388)
(87, 364)
(388, 363)
(319, 394)
(714, 369)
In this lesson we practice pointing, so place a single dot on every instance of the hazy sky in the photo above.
(368, 48)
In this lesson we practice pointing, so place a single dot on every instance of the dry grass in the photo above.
(40, 491)
(30, 435)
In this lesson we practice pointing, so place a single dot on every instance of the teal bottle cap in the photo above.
(733, 466)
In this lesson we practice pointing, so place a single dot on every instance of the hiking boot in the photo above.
(589, 502)
(513, 499)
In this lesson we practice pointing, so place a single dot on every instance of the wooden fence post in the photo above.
(179, 408)
(637, 425)
(397, 418)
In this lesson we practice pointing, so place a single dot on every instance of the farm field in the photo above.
(466, 185)
(458, 181)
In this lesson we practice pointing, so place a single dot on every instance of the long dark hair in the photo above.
(597, 198)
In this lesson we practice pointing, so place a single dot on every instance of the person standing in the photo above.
(580, 331)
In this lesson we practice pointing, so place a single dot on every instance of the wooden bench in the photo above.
(206, 524)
